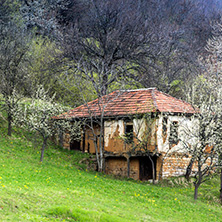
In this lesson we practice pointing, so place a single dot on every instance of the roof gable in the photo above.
(129, 102)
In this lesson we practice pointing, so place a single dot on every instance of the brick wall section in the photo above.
(175, 166)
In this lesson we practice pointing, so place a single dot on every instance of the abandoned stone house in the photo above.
(141, 132)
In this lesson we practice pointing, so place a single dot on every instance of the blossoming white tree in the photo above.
(37, 116)
(206, 150)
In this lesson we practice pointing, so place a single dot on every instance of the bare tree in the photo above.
(107, 43)
(101, 48)
(156, 43)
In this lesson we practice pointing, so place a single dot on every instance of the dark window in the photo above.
(164, 122)
(173, 139)
(129, 133)
(146, 167)
(88, 148)
(75, 145)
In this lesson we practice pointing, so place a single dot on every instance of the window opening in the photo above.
(75, 145)
(88, 148)
(129, 133)
(164, 129)
(174, 139)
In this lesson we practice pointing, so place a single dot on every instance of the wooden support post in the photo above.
(83, 141)
(128, 166)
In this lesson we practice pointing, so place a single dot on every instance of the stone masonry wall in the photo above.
(118, 167)
(66, 141)
(175, 165)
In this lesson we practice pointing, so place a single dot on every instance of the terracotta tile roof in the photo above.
(121, 103)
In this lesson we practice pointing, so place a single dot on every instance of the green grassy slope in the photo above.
(58, 190)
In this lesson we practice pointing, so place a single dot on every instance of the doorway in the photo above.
(146, 169)
(75, 145)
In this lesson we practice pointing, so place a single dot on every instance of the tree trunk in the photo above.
(101, 165)
(153, 169)
(43, 148)
(198, 180)
(196, 190)
(221, 186)
(189, 169)
(9, 124)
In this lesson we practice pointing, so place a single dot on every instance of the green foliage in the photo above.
(53, 72)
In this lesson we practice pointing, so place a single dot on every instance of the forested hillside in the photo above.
(57, 55)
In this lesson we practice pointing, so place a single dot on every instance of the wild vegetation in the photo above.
(62, 189)
(80, 50)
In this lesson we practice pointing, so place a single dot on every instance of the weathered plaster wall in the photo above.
(134, 168)
(145, 133)
(114, 142)
(89, 139)
(174, 155)
(185, 129)
(139, 127)
(113, 131)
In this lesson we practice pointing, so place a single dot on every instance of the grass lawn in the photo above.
(60, 189)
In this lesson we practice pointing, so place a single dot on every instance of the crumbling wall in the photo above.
(89, 139)
(163, 133)
(66, 141)
(118, 166)
(134, 168)
(113, 131)
(176, 164)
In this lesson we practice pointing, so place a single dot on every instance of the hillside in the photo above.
(60, 189)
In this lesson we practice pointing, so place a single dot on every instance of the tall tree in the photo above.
(104, 47)
(203, 140)
(161, 38)
(115, 43)
(206, 94)
(212, 65)
(14, 45)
